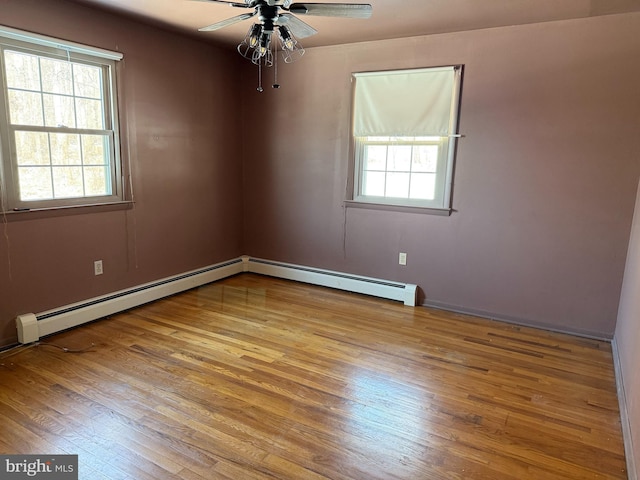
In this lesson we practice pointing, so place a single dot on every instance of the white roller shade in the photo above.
(404, 103)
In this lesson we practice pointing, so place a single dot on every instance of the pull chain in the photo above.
(260, 89)
(275, 67)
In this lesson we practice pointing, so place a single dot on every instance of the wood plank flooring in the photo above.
(259, 378)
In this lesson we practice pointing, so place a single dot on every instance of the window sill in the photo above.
(445, 212)
(35, 213)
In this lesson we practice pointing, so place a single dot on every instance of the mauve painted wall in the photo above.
(545, 177)
(628, 334)
(181, 120)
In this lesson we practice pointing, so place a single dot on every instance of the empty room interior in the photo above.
(218, 260)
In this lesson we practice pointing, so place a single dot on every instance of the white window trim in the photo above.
(48, 46)
(358, 200)
(57, 44)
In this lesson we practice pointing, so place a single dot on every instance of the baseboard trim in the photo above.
(515, 321)
(632, 472)
(31, 327)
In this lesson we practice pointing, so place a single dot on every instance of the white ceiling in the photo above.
(390, 19)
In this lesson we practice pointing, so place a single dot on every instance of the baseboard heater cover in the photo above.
(403, 292)
(31, 327)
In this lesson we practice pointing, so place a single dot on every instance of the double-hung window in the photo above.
(404, 131)
(58, 113)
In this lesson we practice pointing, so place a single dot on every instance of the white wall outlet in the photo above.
(402, 258)
(97, 267)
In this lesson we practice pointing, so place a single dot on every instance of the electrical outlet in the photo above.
(402, 258)
(97, 267)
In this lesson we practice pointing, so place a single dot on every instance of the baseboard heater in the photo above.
(376, 287)
(31, 327)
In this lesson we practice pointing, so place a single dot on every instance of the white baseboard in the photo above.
(632, 473)
(31, 327)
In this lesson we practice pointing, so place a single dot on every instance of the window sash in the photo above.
(84, 166)
(440, 173)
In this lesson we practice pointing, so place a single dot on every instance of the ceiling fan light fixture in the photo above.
(251, 46)
(288, 42)
(261, 54)
(254, 35)
(291, 48)
(245, 49)
(264, 59)
(265, 43)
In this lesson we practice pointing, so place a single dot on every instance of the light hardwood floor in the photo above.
(258, 378)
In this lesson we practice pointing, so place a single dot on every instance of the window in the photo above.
(405, 131)
(60, 142)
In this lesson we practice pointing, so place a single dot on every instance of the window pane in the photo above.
(96, 181)
(376, 157)
(35, 183)
(67, 182)
(373, 184)
(32, 148)
(423, 186)
(25, 108)
(88, 81)
(56, 76)
(399, 158)
(22, 71)
(58, 111)
(94, 150)
(425, 158)
(397, 185)
(89, 113)
(65, 149)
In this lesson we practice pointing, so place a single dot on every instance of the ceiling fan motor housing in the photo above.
(268, 16)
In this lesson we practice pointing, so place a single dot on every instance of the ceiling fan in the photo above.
(280, 17)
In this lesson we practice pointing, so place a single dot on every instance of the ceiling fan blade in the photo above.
(227, 22)
(348, 10)
(297, 26)
(245, 4)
